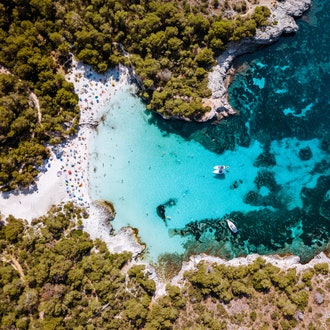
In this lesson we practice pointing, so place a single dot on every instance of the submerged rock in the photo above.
(321, 167)
(267, 179)
(325, 143)
(161, 209)
(265, 159)
(252, 198)
(236, 184)
(305, 153)
(325, 209)
(281, 22)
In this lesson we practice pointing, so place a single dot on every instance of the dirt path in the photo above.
(35, 101)
(9, 258)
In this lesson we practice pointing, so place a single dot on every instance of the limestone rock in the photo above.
(282, 22)
(318, 298)
(298, 315)
(295, 8)
(108, 208)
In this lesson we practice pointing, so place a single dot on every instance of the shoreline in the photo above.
(64, 176)
(72, 184)
(284, 263)
(282, 22)
(57, 185)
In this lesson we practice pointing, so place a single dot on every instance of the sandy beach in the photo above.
(64, 176)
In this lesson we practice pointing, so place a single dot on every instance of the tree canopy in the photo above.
(171, 47)
(53, 276)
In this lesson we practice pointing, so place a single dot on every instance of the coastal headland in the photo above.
(282, 21)
(64, 178)
(65, 174)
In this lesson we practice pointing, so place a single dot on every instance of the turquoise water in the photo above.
(139, 167)
(159, 174)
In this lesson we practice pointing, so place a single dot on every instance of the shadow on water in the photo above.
(219, 176)
(217, 138)
(282, 93)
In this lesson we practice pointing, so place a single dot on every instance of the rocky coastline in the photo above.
(282, 21)
(283, 262)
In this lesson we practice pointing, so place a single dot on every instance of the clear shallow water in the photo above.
(277, 189)
(139, 167)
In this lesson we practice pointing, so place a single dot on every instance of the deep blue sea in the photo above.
(159, 173)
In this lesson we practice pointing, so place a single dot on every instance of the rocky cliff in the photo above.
(281, 22)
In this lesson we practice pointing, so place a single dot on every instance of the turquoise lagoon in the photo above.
(159, 174)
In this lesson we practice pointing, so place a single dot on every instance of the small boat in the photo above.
(220, 169)
(232, 226)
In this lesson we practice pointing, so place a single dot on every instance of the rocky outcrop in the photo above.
(281, 22)
(108, 208)
(318, 298)
(284, 263)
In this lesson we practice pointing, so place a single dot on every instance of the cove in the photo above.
(159, 174)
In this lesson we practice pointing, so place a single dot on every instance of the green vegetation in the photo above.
(322, 268)
(53, 276)
(171, 45)
(262, 287)
(32, 57)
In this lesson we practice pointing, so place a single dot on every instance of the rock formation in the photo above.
(281, 22)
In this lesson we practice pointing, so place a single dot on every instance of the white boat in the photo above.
(220, 169)
(232, 226)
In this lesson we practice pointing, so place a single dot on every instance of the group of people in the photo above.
(74, 170)
(95, 91)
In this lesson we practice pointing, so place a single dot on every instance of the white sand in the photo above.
(65, 175)
(66, 178)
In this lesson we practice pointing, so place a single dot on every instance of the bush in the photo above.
(300, 298)
(285, 280)
(240, 289)
(307, 276)
(261, 281)
(322, 268)
(14, 229)
(253, 316)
